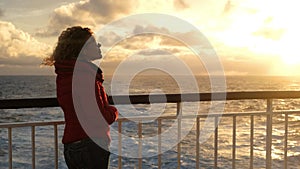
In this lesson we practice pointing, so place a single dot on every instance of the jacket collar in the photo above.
(67, 67)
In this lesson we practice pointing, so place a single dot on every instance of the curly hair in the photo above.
(69, 44)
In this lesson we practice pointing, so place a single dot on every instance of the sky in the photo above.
(250, 37)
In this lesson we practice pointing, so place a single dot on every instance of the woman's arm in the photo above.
(110, 113)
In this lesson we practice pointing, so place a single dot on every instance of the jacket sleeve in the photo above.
(110, 113)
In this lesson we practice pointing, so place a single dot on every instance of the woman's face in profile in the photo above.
(91, 49)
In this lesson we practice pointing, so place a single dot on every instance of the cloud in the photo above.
(127, 47)
(20, 48)
(191, 37)
(228, 7)
(150, 28)
(138, 42)
(152, 52)
(91, 13)
(180, 4)
(170, 42)
(141, 42)
(268, 31)
(109, 38)
(1, 12)
(247, 68)
(114, 41)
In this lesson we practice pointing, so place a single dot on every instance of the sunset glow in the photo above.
(245, 33)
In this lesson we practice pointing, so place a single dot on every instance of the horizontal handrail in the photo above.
(145, 118)
(157, 98)
(170, 98)
(35, 123)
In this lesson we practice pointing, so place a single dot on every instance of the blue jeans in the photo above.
(85, 154)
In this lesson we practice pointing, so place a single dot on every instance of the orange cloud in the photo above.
(91, 13)
(20, 48)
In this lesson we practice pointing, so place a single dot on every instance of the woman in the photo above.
(75, 50)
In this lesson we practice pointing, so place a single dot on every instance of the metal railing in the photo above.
(33, 125)
(269, 96)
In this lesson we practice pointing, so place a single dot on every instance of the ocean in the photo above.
(13, 87)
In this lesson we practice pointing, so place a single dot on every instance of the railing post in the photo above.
(120, 144)
(269, 134)
(233, 141)
(286, 127)
(10, 147)
(56, 145)
(179, 117)
(33, 146)
(216, 143)
(197, 143)
(159, 144)
(251, 141)
(140, 151)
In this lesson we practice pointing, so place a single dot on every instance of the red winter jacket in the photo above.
(93, 114)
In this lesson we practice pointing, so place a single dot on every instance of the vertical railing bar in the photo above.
(268, 139)
(159, 144)
(251, 140)
(197, 143)
(120, 144)
(233, 141)
(56, 145)
(33, 146)
(286, 125)
(216, 143)
(10, 147)
(179, 117)
(269, 135)
(140, 145)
